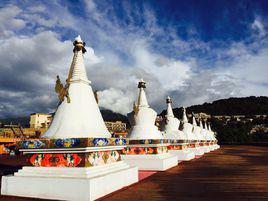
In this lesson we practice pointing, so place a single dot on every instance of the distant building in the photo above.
(40, 120)
(116, 127)
(259, 128)
(201, 115)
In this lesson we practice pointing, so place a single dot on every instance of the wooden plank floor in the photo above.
(232, 173)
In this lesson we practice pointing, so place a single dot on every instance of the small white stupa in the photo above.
(187, 127)
(213, 138)
(203, 132)
(76, 159)
(171, 131)
(196, 132)
(172, 124)
(208, 136)
(142, 118)
(147, 149)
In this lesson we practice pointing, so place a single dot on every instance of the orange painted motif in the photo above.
(55, 160)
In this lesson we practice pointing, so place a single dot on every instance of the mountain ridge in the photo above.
(251, 105)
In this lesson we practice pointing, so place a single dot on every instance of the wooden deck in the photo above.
(232, 173)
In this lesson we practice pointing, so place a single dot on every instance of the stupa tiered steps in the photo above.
(70, 169)
(150, 154)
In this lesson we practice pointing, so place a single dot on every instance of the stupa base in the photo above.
(153, 162)
(183, 155)
(197, 151)
(211, 147)
(206, 149)
(66, 183)
(217, 146)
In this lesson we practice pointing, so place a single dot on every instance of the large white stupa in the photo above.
(76, 159)
(78, 114)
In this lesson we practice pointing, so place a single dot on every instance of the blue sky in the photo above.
(195, 51)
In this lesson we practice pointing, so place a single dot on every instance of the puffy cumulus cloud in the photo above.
(171, 73)
(251, 71)
(120, 53)
(206, 86)
(9, 21)
(117, 86)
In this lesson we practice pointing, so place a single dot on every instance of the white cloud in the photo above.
(258, 26)
(9, 21)
(118, 56)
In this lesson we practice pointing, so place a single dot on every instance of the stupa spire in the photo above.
(77, 72)
(184, 116)
(206, 127)
(201, 124)
(194, 122)
(209, 128)
(169, 107)
(142, 99)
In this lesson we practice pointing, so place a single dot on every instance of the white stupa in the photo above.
(147, 149)
(213, 138)
(78, 114)
(142, 118)
(208, 136)
(203, 132)
(171, 131)
(172, 124)
(197, 136)
(196, 129)
(187, 127)
(76, 159)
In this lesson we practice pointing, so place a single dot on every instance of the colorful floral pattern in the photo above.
(175, 147)
(100, 141)
(71, 143)
(55, 160)
(144, 150)
(120, 141)
(191, 145)
(31, 144)
(149, 141)
(102, 158)
(67, 143)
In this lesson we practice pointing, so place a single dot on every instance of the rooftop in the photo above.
(231, 173)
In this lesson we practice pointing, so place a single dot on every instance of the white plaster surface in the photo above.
(172, 124)
(197, 151)
(183, 155)
(157, 162)
(206, 149)
(79, 184)
(81, 117)
(142, 120)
